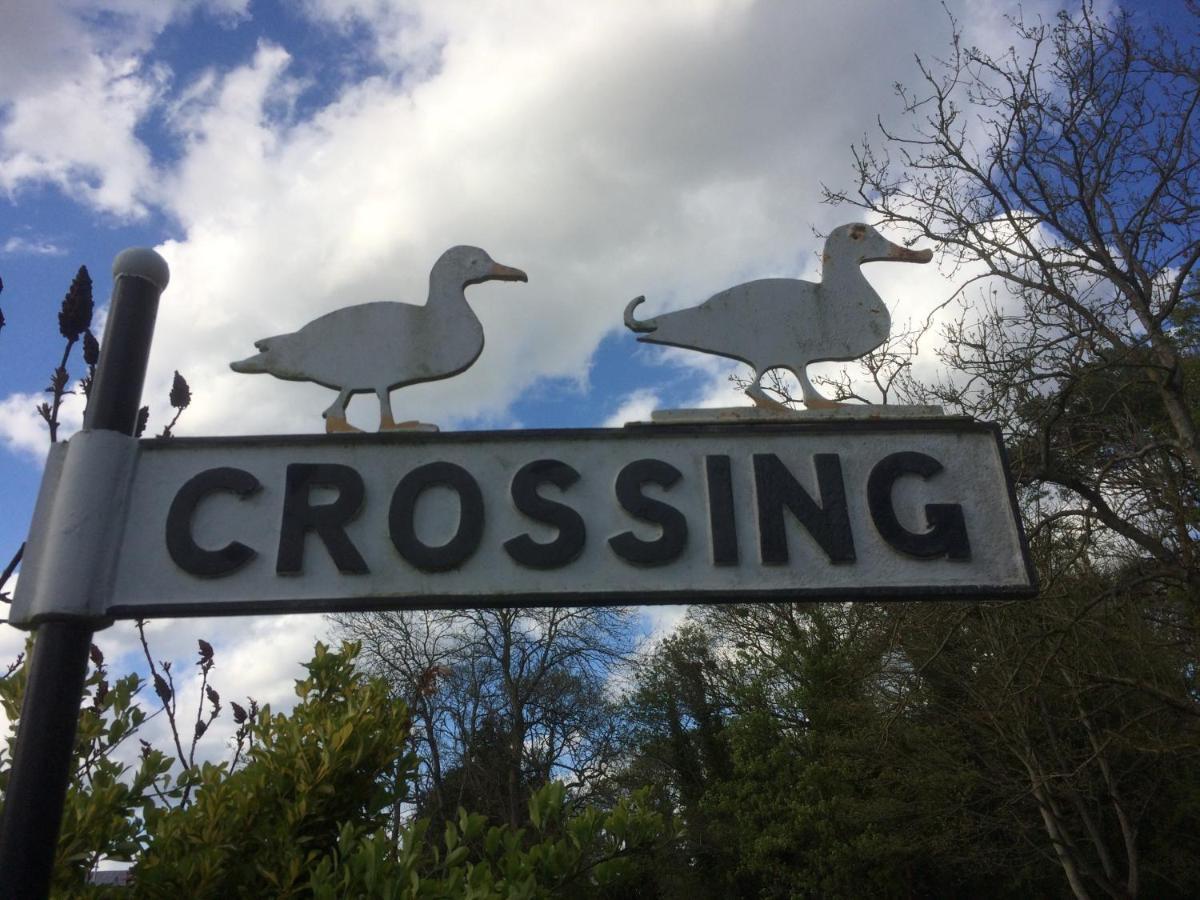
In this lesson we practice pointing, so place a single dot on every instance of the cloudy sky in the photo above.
(288, 159)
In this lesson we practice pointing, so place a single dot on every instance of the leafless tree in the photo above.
(1062, 178)
(503, 700)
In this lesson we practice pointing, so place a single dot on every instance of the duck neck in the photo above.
(446, 292)
(845, 274)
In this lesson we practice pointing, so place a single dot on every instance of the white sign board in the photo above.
(643, 514)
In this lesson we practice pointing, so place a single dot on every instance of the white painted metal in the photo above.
(142, 262)
(68, 569)
(378, 347)
(147, 582)
(785, 323)
(846, 413)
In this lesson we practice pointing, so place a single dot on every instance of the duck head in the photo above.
(862, 243)
(464, 266)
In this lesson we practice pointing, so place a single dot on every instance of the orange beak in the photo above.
(506, 273)
(903, 254)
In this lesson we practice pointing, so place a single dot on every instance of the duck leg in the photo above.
(335, 416)
(386, 421)
(760, 397)
(813, 399)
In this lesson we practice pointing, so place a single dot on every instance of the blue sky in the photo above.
(291, 158)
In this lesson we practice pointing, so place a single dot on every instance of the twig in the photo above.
(9, 569)
(168, 701)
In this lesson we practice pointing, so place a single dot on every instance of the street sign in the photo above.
(642, 514)
(724, 509)
(687, 512)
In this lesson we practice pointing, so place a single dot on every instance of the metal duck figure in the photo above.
(378, 347)
(787, 323)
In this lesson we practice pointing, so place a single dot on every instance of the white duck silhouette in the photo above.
(378, 347)
(787, 323)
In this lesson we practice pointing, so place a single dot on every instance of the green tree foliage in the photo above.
(306, 775)
(764, 728)
(679, 723)
(108, 801)
(1080, 712)
(308, 811)
(588, 853)
(847, 750)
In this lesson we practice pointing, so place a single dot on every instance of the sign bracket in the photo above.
(82, 505)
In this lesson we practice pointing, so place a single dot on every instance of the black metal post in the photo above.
(41, 769)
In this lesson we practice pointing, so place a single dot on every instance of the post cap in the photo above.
(142, 262)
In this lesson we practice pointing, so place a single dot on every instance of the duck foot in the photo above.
(388, 424)
(339, 425)
(762, 401)
(820, 402)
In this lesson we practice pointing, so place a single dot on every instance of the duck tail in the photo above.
(643, 326)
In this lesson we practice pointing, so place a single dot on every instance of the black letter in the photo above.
(947, 534)
(720, 511)
(182, 547)
(571, 531)
(671, 542)
(459, 548)
(829, 523)
(328, 520)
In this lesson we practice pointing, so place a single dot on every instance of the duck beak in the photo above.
(506, 273)
(896, 253)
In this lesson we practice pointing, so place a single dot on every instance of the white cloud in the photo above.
(12, 645)
(23, 431)
(636, 407)
(661, 621)
(717, 391)
(79, 135)
(256, 656)
(31, 246)
(74, 86)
